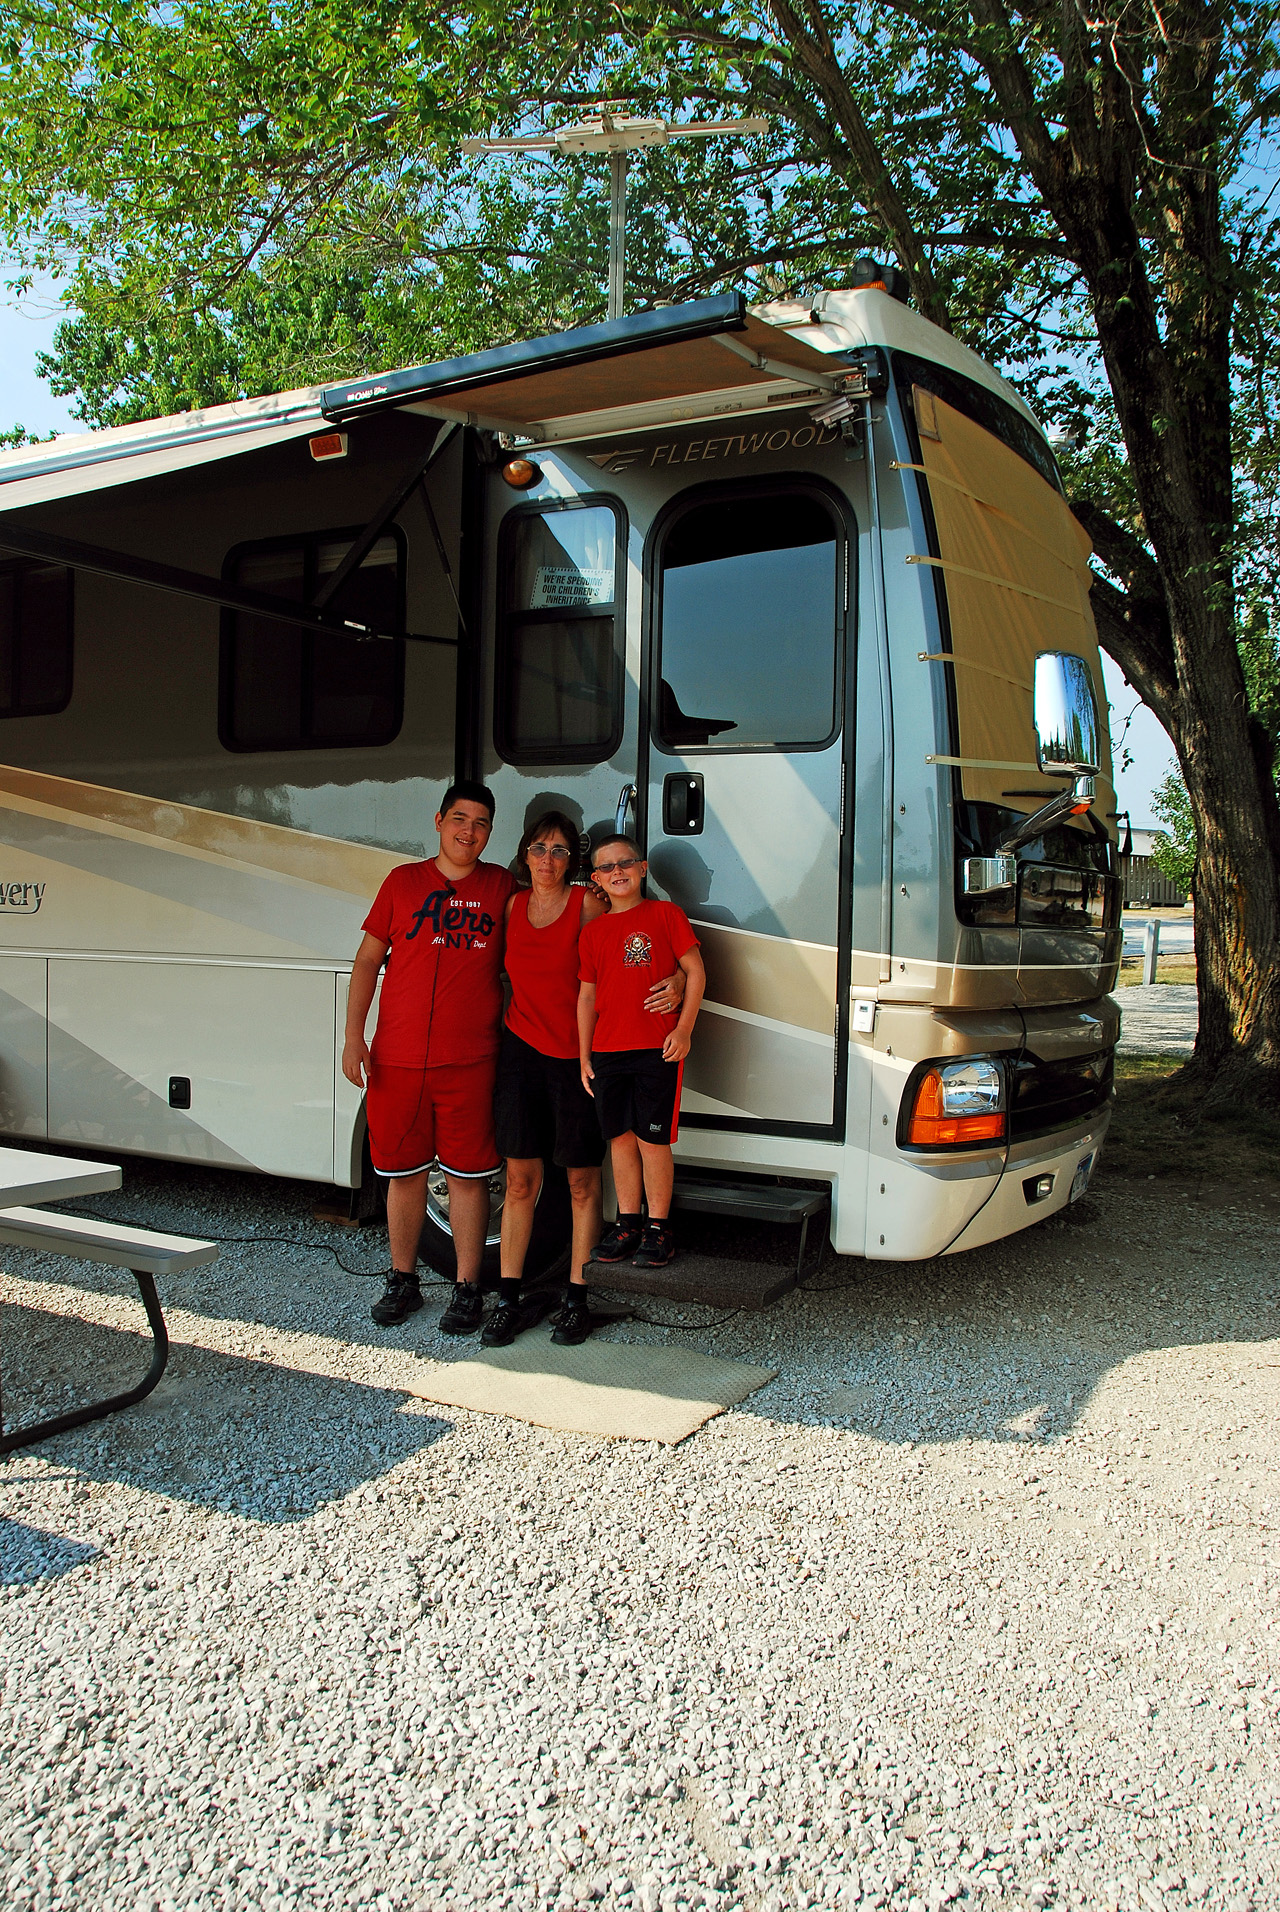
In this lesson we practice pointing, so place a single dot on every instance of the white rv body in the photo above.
(184, 884)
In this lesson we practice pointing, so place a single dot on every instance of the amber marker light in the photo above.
(957, 1103)
(520, 473)
(328, 445)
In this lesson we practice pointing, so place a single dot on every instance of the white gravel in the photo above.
(1158, 1019)
(976, 1604)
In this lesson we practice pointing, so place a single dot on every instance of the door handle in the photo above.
(682, 803)
(626, 801)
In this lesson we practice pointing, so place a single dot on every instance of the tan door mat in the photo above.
(631, 1391)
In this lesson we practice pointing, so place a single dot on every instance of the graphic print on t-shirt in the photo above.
(636, 951)
(456, 925)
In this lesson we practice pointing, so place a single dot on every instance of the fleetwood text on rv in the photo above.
(794, 596)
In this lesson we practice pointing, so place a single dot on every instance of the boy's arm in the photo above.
(586, 1029)
(676, 1046)
(370, 957)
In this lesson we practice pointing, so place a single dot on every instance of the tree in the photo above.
(1174, 849)
(1069, 191)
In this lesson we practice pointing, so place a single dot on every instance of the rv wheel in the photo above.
(552, 1225)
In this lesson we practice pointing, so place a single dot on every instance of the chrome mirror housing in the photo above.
(1066, 716)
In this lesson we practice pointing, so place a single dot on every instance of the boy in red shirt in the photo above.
(631, 1059)
(438, 927)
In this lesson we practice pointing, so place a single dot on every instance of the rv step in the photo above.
(713, 1279)
(756, 1202)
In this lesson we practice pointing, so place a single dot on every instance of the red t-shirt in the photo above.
(442, 990)
(624, 955)
(542, 968)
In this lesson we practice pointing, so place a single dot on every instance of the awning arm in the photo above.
(382, 517)
(54, 549)
(778, 368)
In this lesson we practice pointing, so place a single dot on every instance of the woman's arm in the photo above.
(586, 1029)
(676, 1046)
(370, 957)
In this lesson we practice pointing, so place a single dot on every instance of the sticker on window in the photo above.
(565, 587)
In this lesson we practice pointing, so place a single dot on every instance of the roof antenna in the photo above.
(614, 131)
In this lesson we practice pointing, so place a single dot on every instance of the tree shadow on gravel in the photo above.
(33, 1553)
(245, 1437)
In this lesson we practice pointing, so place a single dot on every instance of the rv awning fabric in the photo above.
(688, 351)
(1014, 562)
(93, 461)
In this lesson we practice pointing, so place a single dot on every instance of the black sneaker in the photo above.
(574, 1321)
(465, 1311)
(402, 1298)
(620, 1241)
(508, 1319)
(657, 1248)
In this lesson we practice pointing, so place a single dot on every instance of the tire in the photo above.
(552, 1226)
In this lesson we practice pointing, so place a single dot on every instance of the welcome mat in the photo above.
(627, 1390)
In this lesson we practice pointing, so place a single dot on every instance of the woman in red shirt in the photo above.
(541, 1110)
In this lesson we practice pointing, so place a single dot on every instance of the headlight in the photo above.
(957, 1102)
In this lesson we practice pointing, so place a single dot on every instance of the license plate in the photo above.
(1080, 1180)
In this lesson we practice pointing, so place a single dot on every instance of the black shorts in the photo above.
(541, 1110)
(637, 1093)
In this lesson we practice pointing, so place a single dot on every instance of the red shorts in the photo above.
(420, 1116)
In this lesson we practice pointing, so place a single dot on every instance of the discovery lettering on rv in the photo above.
(21, 899)
(701, 451)
(457, 925)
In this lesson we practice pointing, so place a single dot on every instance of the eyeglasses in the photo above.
(557, 850)
(623, 863)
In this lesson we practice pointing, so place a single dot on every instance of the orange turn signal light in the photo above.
(520, 473)
(930, 1126)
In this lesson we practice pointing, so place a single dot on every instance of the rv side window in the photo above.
(286, 688)
(559, 678)
(35, 639)
(748, 651)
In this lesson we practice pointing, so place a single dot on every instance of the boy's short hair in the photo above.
(605, 842)
(470, 792)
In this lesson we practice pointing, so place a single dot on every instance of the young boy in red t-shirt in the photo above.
(632, 1059)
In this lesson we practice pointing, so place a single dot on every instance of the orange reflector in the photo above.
(930, 1128)
(330, 445)
(520, 473)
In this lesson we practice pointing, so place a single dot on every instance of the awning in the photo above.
(710, 355)
(68, 467)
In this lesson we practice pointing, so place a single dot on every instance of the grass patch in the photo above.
(1157, 1128)
(1169, 969)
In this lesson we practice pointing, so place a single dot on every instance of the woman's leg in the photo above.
(524, 1179)
(585, 1194)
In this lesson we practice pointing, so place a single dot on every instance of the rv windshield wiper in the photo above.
(55, 549)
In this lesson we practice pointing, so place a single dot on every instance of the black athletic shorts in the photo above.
(637, 1091)
(541, 1110)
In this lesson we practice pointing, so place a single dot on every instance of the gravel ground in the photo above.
(1157, 1019)
(975, 1604)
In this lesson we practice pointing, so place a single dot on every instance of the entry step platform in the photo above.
(724, 1281)
(713, 1279)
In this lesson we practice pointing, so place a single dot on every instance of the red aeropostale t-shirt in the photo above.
(624, 956)
(441, 996)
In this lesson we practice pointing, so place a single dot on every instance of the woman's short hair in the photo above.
(551, 820)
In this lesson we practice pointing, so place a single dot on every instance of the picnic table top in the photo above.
(28, 1177)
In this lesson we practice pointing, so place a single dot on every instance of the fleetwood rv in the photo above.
(792, 594)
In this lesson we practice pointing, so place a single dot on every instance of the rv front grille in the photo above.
(1044, 1096)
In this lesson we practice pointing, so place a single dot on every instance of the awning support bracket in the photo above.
(800, 375)
(382, 517)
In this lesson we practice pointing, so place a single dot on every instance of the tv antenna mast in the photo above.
(613, 131)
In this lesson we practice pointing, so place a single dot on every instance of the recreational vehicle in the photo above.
(789, 592)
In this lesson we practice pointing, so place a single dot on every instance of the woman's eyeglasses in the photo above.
(557, 850)
(623, 863)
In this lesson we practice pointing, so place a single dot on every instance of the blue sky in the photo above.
(25, 399)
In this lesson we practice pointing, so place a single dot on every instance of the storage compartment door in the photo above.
(252, 1049)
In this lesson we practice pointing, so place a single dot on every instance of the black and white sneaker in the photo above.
(465, 1311)
(574, 1321)
(508, 1319)
(657, 1248)
(401, 1298)
(619, 1242)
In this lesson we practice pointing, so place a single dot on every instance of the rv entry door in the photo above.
(745, 694)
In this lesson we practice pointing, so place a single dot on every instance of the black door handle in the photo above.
(683, 807)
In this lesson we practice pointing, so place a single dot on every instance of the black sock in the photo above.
(629, 1221)
(509, 1292)
(405, 1274)
(576, 1291)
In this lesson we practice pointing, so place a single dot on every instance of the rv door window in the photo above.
(287, 689)
(35, 639)
(748, 649)
(559, 680)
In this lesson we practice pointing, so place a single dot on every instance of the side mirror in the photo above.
(1066, 716)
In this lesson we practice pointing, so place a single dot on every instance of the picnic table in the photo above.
(28, 1178)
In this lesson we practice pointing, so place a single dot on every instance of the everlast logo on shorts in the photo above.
(456, 925)
(21, 899)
